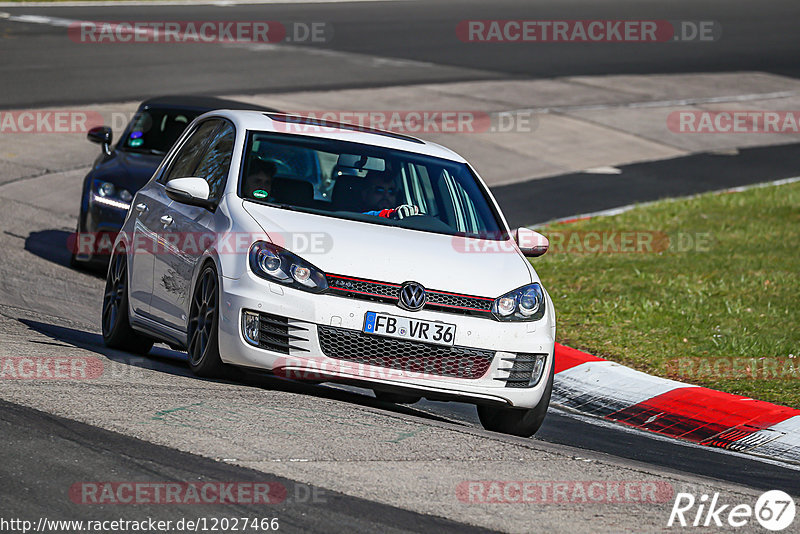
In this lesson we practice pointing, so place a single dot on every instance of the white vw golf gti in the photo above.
(330, 252)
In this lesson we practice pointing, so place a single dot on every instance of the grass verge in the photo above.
(703, 290)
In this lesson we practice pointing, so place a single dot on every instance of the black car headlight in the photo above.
(110, 195)
(523, 304)
(279, 265)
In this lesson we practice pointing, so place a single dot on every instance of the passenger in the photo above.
(381, 191)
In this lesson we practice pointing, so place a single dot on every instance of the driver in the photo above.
(380, 191)
(258, 182)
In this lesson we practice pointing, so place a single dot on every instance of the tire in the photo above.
(117, 331)
(524, 423)
(203, 331)
(395, 398)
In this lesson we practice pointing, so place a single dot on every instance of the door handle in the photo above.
(141, 207)
(166, 220)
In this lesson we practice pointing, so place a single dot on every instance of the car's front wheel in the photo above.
(117, 331)
(515, 421)
(203, 346)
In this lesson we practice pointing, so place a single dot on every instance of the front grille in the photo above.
(525, 371)
(274, 334)
(410, 356)
(360, 288)
(440, 299)
(363, 289)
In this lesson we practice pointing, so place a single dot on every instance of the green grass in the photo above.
(732, 304)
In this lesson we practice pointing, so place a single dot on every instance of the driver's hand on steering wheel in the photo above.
(403, 211)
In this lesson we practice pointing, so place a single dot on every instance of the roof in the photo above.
(199, 103)
(260, 121)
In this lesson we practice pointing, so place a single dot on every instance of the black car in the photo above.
(120, 171)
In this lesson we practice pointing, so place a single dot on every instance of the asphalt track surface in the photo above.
(61, 451)
(41, 452)
(419, 36)
(582, 193)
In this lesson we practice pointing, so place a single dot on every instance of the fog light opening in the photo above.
(251, 327)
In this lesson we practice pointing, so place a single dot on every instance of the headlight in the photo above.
(105, 189)
(279, 265)
(523, 304)
(108, 194)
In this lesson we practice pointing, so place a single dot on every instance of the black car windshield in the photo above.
(366, 183)
(154, 131)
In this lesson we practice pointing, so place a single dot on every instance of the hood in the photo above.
(393, 254)
(130, 170)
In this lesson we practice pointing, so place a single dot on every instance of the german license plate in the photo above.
(387, 325)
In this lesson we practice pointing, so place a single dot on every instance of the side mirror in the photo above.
(192, 191)
(532, 244)
(101, 135)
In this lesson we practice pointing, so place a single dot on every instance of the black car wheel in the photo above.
(514, 421)
(117, 331)
(203, 346)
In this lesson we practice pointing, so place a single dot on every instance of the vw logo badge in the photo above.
(412, 296)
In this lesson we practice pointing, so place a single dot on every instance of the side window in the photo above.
(216, 162)
(186, 159)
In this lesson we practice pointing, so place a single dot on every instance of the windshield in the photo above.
(366, 183)
(155, 130)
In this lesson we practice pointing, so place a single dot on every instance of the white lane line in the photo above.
(221, 3)
(628, 207)
(606, 169)
(37, 19)
(353, 57)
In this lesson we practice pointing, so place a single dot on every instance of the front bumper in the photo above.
(316, 315)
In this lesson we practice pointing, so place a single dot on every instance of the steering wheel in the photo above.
(281, 167)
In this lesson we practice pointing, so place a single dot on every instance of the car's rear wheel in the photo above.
(396, 398)
(117, 331)
(203, 346)
(515, 421)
